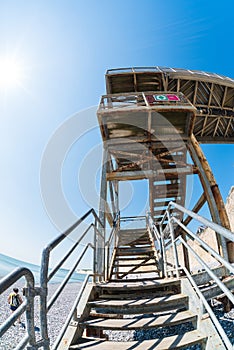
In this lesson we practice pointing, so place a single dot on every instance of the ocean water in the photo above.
(8, 264)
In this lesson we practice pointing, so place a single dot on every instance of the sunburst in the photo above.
(11, 72)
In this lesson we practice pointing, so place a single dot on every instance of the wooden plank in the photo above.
(134, 264)
(122, 274)
(170, 319)
(138, 285)
(158, 303)
(166, 343)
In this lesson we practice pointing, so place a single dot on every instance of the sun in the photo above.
(11, 72)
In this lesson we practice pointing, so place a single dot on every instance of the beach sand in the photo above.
(56, 316)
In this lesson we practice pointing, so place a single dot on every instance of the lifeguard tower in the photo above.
(145, 290)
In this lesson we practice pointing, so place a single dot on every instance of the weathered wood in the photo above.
(170, 319)
(109, 216)
(218, 212)
(167, 343)
(161, 174)
(201, 201)
(142, 305)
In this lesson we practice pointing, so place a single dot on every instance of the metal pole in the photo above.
(43, 296)
(95, 251)
(163, 252)
(173, 244)
(102, 214)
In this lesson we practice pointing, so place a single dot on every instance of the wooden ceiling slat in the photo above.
(204, 90)
(228, 126)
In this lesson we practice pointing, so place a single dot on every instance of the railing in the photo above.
(158, 242)
(97, 245)
(168, 224)
(166, 228)
(158, 69)
(130, 222)
(47, 275)
(110, 246)
(27, 306)
(143, 99)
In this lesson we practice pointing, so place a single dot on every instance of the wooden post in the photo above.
(213, 196)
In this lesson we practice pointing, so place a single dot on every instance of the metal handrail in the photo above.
(67, 278)
(113, 236)
(209, 271)
(209, 310)
(53, 272)
(217, 228)
(205, 246)
(45, 275)
(174, 243)
(27, 306)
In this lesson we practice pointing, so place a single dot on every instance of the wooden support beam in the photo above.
(213, 196)
(109, 216)
(201, 201)
(160, 174)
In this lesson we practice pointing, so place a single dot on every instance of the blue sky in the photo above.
(64, 49)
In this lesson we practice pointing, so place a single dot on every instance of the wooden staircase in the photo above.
(135, 257)
(136, 305)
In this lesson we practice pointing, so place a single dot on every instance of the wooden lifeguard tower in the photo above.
(144, 284)
(151, 120)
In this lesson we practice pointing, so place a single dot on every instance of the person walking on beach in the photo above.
(14, 300)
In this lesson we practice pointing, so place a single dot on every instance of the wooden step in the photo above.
(134, 250)
(137, 306)
(135, 264)
(135, 253)
(129, 240)
(170, 319)
(138, 286)
(134, 280)
(134, 272)
(126, 257)
(134, 237)
(149, 294)
(167, 343)
(143, 244)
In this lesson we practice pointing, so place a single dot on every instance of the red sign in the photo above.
(152, 99)
(173, 97)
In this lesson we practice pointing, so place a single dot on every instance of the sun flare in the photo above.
(11, 72)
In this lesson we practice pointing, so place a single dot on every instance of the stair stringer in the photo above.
(74, 331)
(204, 323)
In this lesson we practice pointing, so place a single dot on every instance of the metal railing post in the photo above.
(163, 251)
(43, 297)
(162, 256)
(27, 306)
(95, 251)
(173, 243)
